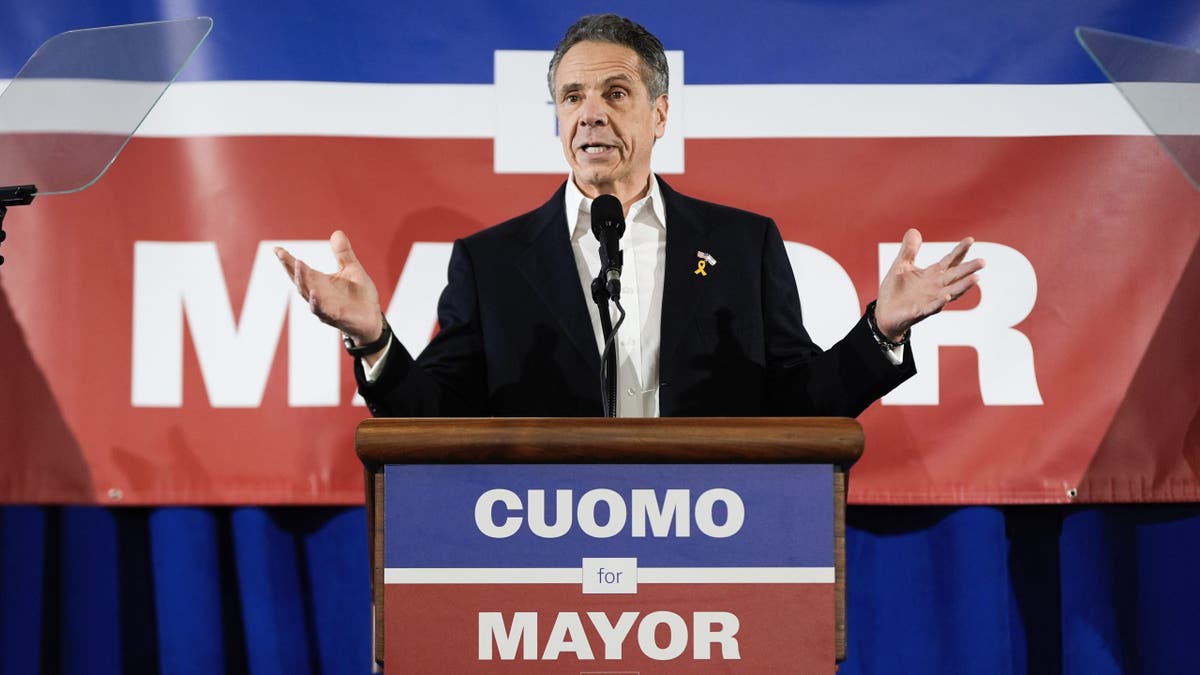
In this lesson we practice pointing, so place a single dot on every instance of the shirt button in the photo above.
(630, 391)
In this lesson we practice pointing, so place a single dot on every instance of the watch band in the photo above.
(370, 348)
(884, 343)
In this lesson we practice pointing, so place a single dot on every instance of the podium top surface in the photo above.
(831, 440)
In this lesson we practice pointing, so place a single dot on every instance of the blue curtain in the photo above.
(996, 590)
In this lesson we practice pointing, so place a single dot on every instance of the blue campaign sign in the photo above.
(551, 516)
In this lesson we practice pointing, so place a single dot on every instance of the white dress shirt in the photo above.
(645, 254)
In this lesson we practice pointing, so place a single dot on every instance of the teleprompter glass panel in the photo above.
(73, 106)
(1161, 82)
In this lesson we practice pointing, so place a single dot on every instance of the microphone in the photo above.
(608, 224)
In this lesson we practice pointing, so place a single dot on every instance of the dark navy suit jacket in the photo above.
(516, 339)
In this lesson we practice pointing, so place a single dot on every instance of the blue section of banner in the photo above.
(755, 41)
(148, 52)
(430, 516)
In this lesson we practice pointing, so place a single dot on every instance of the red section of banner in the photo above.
(1107, 224)
(777, 628)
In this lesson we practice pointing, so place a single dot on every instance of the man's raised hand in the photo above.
(346, 299)
(909, 293)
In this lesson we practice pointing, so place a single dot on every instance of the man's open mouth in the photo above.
(594, 149)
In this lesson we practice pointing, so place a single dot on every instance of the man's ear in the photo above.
(660, 115)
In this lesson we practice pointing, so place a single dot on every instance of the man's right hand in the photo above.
(346, 299)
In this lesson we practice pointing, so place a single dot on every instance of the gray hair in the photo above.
(617, 30)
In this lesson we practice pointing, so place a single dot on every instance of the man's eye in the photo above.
(571, 98)
(617, 93)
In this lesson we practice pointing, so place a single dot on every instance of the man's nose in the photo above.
(592, 113)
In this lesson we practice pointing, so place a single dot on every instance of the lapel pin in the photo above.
(705, 259)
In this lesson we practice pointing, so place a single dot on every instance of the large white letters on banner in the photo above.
(412, 312)
(174, 281)
(1008, 290)
(827, 294)
(178, 283)
(177, 280)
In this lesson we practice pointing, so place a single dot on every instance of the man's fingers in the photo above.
(300, 273)
(342, 250)
(301, 277)
(909, 245)
(289, 262)
(954, 274)
(956, 289)
(318, 289)
(973, 266)
(955, 256)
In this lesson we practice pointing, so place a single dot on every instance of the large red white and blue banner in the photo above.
(706, 568)
(153, 351)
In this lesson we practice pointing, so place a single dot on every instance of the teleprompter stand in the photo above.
(18, 195)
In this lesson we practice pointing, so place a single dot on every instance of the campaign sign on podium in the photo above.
(614, 568)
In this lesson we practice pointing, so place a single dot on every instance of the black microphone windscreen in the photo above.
(606, 210)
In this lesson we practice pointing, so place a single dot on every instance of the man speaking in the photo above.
(714, 323)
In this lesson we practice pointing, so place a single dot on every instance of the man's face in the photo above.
(606, 120)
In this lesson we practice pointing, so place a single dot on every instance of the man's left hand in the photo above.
(909, 293)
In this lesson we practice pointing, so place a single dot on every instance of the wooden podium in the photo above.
(459, 515)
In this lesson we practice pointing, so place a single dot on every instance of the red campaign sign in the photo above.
(665, 628)
(151, 356)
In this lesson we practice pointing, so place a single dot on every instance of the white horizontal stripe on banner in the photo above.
(735, 575)
(1171, 108)
(574, 575)
(77, 105)
(713, 111)
(273, 108)
(908, 110)
(323, 109)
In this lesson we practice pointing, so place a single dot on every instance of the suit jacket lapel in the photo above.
(548, 264)
(685, 236)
